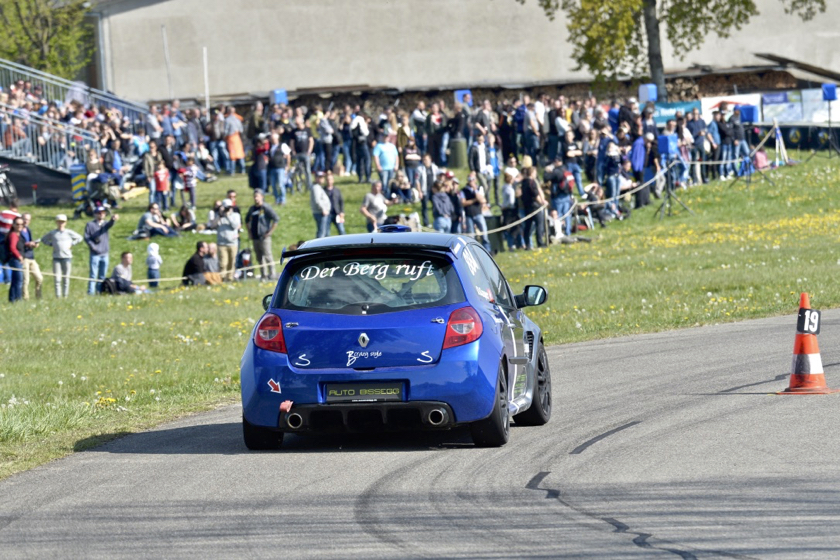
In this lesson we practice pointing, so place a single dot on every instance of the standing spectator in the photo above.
(727, 154)
(714, 139)
(442, 209)
(411, 162)
(427, 174)
(15, 248)
(218, 146)
(151, 161)
(7, 219)
(191, 173)
(532, 200)
(258, 176)
(153, 262)
(387, 161)
(375, 206)
(360, 134)
(572, 159)
(302, 147)
(652, 165)
(98, 241)
(227, 236)
(418, 121)
(699, 133)
(326, 133)
(262, 220)
(256, 123)
(62, 240)
(278, 168)
(336, 204)
(404, 134)
(162, 186)
(740, 145)
(233, 138)
(561, 194)
(319, 203)
(455, 198)
(347, 144)
(472, 200)
(510, 212)
(532, 134)
(436, 126)
(30, 265)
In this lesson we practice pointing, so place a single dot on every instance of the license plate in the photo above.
(363, 392)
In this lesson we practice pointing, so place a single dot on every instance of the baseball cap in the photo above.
(226, 202)
(99, 209)
(61, 218)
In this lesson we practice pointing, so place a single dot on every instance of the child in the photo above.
(62, 240)
(153, 262)
(191, 173)
(162, 186)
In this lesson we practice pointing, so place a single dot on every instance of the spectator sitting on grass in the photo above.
(122, 275)
(183, 220)
(152, 223)
(194, 269)
(211, 259)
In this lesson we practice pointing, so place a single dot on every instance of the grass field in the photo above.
(79, 371)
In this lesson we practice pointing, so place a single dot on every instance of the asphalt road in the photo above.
(660, 445)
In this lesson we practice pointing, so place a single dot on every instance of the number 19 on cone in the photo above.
(807, 376)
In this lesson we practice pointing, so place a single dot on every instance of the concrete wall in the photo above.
(260, 45)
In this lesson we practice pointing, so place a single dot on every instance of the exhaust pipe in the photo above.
(437, 416)
(294, 420)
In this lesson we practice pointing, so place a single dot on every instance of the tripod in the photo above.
(747, 163)
(669, 195)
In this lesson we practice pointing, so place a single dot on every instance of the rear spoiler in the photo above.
(413, 247)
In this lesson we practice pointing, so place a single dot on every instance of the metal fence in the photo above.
(35, 139)
(58, 89)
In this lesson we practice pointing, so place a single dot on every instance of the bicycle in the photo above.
(7, 189)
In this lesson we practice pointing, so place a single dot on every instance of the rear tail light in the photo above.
(464, 326)
(269, 334)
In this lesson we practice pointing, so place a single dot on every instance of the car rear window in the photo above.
(369, 285)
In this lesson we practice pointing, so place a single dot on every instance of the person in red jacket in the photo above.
(15, 247)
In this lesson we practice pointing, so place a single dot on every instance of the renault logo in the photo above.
(363, 340)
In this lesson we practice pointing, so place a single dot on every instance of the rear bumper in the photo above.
(367, 417)
(463, 381)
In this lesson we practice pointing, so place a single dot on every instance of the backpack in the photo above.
(108, 287)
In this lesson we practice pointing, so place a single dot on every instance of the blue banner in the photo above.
(666, 111)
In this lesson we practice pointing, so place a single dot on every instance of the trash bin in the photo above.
(457, 153)
(497, 240)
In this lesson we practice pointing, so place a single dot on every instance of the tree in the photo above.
(49, 35)
(621, 38)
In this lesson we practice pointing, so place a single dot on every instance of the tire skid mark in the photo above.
(582, 447)
(640, 539)
(365, 515)
(777, 378)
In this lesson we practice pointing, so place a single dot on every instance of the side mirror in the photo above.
(267, 301)
(532, 295)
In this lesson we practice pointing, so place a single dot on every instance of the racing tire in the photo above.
(494, 431)
(258, 438)
(540, 411)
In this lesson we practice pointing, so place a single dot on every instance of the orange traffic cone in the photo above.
(807, 376)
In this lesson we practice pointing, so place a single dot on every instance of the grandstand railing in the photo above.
(42, 141)
(54, 88)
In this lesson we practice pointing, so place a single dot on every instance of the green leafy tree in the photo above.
(614, 38)
(49, 35)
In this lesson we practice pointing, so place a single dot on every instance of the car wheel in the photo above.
(540, 411)
(258, 438)
(494, 430)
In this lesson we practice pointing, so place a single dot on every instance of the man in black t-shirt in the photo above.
(194, 269)
(302, 146)
(473, 199)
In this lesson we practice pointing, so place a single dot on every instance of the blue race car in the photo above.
(394, 330)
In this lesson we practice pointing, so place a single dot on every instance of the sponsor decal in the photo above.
(352, 356)
(425, 358)
(472, 264)
(378, 271)
(302, 361)
(275, 387)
